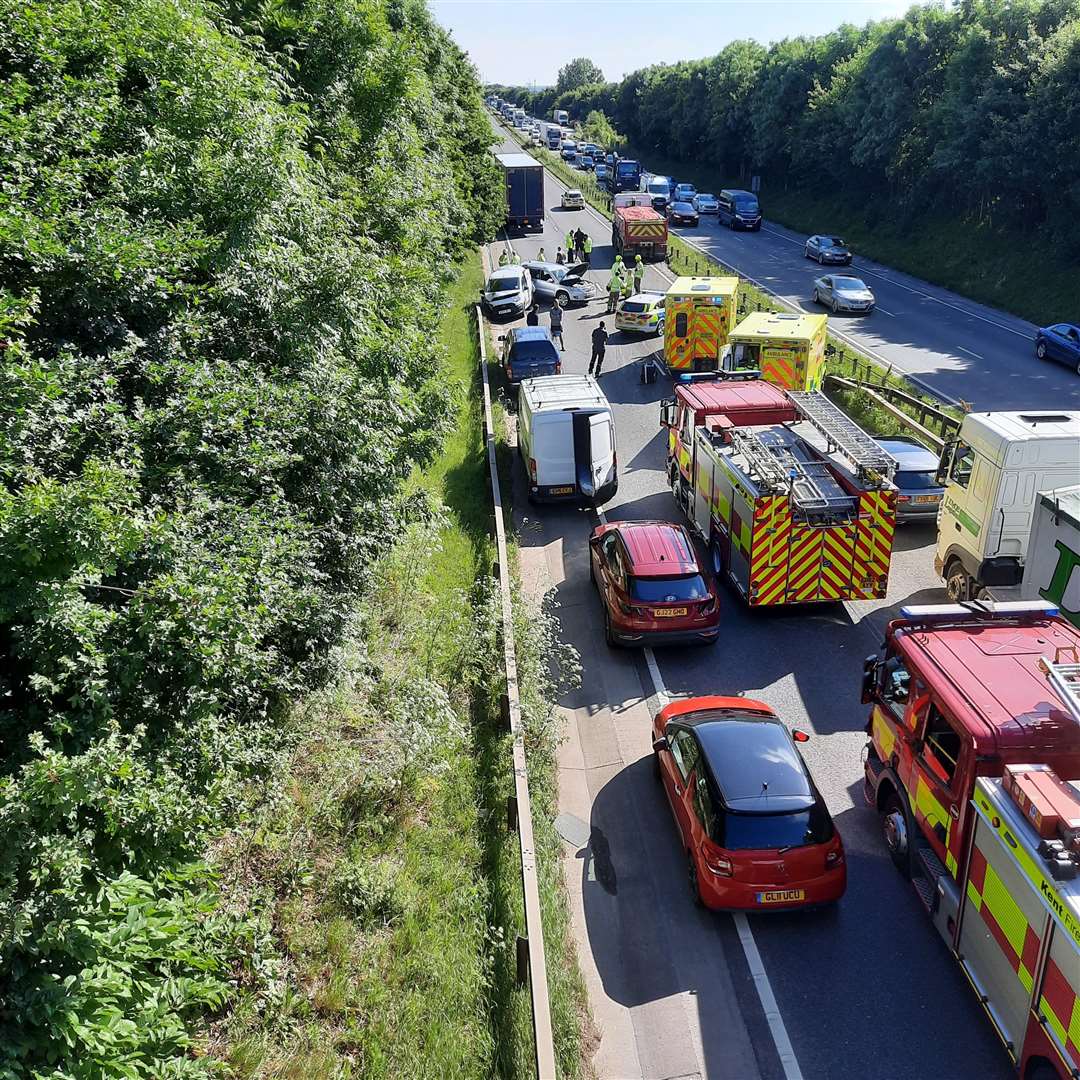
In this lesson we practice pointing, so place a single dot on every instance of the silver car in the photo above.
(828, 249)
(919, 494)
(705, 203)
(563, 285)
(841, 293)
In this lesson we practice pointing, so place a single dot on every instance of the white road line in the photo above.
(878, 307)
(917, 292)
(769, 1007)
(970, 353)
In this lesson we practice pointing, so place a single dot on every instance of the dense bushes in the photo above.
(972, 107)
(223, 232)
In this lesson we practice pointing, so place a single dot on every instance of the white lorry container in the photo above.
(993, 471)
(1052, 570)
(566, 438)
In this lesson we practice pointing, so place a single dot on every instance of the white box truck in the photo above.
(992, 472)
(1052, 569)
(566, 438)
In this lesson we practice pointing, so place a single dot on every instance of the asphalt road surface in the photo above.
(867, 990)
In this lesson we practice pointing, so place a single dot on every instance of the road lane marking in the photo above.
(970, 353)
(878, 307)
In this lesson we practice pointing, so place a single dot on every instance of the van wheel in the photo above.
(957, 582)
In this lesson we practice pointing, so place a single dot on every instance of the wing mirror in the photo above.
(660, 744)
(502, 337)
(667, 414)
(869, 679)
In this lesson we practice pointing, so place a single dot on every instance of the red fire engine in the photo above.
(974, 739)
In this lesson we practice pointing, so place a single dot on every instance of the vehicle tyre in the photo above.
(692, 876)
(820, 259)
(717, 557)
(806, 253)
(657, 774)
(592, 573)
(609, 635)
(1040, 350)
(897, 834)
(562, 299)
(834, 307)
(817, 297)
(957, 582)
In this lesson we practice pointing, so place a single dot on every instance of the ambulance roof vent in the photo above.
(703, 287)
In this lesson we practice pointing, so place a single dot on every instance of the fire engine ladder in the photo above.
(844, 434)
(1065, 677)
(774, 464)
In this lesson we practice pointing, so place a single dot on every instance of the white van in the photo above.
(993, 471)
(566, 438)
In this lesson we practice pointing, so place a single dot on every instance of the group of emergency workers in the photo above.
(624, 281)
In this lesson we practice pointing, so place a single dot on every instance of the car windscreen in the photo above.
(503, 283)
(916, 481)
(704, 196)
(658, 590)
(742, 832)
(534, 350)
(849, 284)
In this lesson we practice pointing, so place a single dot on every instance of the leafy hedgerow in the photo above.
(224, 230)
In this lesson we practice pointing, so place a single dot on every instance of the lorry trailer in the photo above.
(524, 182)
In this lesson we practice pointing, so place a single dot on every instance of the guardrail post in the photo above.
(522, 960)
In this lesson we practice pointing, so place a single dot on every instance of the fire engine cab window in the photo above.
(681, 324)
(941, 747)
(896, 685)
(962, 463)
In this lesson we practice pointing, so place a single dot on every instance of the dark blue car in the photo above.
(1060, 342)
(527, 352)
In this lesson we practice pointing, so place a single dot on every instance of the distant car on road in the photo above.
(754, 828)
(828, 249)
(569, 153)
(684, 193)
(1060, 342)
(528, 352)
(602, 172)
(738, 209)
(841, 293)
(572, 199)
(651, 586)
(919, 493)
(562, 285)
(642, 313)
(705, 203)
(682, 213)
(585, 163)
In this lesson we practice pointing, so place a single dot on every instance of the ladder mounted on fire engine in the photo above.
(870, 461)
(774, 463)
(1065, 677)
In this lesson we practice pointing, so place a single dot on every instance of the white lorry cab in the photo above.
(992, 474)
(566, 437)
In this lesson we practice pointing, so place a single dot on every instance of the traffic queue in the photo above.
(972, 757)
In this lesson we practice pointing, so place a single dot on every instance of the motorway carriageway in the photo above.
(867, 990)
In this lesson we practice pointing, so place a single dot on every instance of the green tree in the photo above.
(578, 72)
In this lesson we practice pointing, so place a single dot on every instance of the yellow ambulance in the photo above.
(699, 313)
(788, 349)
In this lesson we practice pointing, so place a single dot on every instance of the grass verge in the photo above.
(389, 881)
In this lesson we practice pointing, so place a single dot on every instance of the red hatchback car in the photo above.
(651, 585)
(757, 833)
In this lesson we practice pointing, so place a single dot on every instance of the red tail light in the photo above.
(834, 858)
(532, 469)
(715, 863)
(628, 609)
(708, 606)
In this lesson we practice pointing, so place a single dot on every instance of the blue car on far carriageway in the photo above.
(1060, 342)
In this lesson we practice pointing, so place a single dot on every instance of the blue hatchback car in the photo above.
(528, 352)
(1060, 342)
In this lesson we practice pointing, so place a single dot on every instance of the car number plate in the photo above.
(668, 612)
(927, 498)
(781, 896)
(562, 491)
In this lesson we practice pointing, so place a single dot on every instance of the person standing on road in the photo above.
(588, 251)
(628, 287)
(639, 273)
(503, 257)
(515, 258)
(599, 344)
(614, 288)
(556, 325)
(580, 237)
(560, 257)
(540, 256)
(570, 246)
(532, 317)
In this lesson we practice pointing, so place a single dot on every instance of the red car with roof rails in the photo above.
(756, 831)
(652, 587)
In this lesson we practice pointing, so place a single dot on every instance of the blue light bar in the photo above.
(1002, 609)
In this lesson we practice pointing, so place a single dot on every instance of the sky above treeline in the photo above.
(525, 42)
